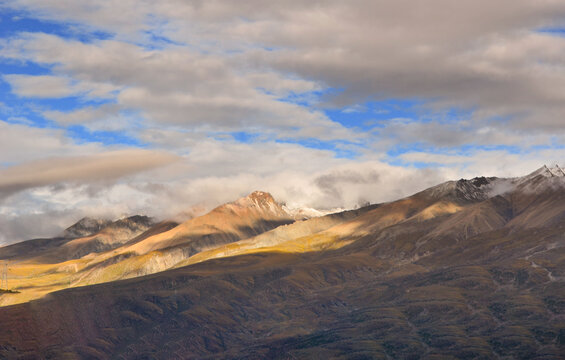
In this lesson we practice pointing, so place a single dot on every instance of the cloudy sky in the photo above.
(170, 107)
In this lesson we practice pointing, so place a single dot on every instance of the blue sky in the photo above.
(384, 97)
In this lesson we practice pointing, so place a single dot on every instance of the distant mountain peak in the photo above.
(541, 178)
(260, 201)
(85, 226)
(88, 226)
(549, 172)
(556, 171)
(256, 199)
(473, 190)
(261, 197)
(132, 222)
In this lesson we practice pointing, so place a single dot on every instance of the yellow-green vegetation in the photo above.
(316, 242)
(31, 280)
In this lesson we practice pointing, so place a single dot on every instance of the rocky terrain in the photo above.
(469, 269)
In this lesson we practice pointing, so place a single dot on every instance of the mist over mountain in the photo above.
(299, 187)
(464, 269)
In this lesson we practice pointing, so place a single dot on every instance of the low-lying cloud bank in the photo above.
(218, 172)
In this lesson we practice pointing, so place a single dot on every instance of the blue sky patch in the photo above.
(83, 135)
(558, 31)
(342, 149)
(13, 22)
(373, 114)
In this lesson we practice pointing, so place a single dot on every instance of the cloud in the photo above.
(173, 86)
(93, 168)
(212, 173)
(48, 86)
(462, 55)
(44, 86)
(457, 56)
(181, 76)
(107, 117)
(34, 225)
(500, 163)
(22, 143)
(328, 183)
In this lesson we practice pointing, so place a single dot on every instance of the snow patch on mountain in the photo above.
(482, 188)
(556, 171)
(265, 203)
(303, 213)
(542, 179)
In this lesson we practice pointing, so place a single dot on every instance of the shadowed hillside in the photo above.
(459, 271)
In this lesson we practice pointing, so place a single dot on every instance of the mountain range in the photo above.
(468, 269)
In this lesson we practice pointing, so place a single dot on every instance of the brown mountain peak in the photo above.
(261, 197)
(259, 202)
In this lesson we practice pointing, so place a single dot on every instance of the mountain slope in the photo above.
(85, 227)
(244, 218)
(279, 305)
(446, 273)
(85, 236)
(111, 236)
(134, 246)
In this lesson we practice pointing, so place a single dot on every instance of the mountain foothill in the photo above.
(467, 269)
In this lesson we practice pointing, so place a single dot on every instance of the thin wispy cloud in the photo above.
(106, 166)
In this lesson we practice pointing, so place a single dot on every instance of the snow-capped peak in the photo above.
(545, 172)
(549, 172)
(543, 178)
